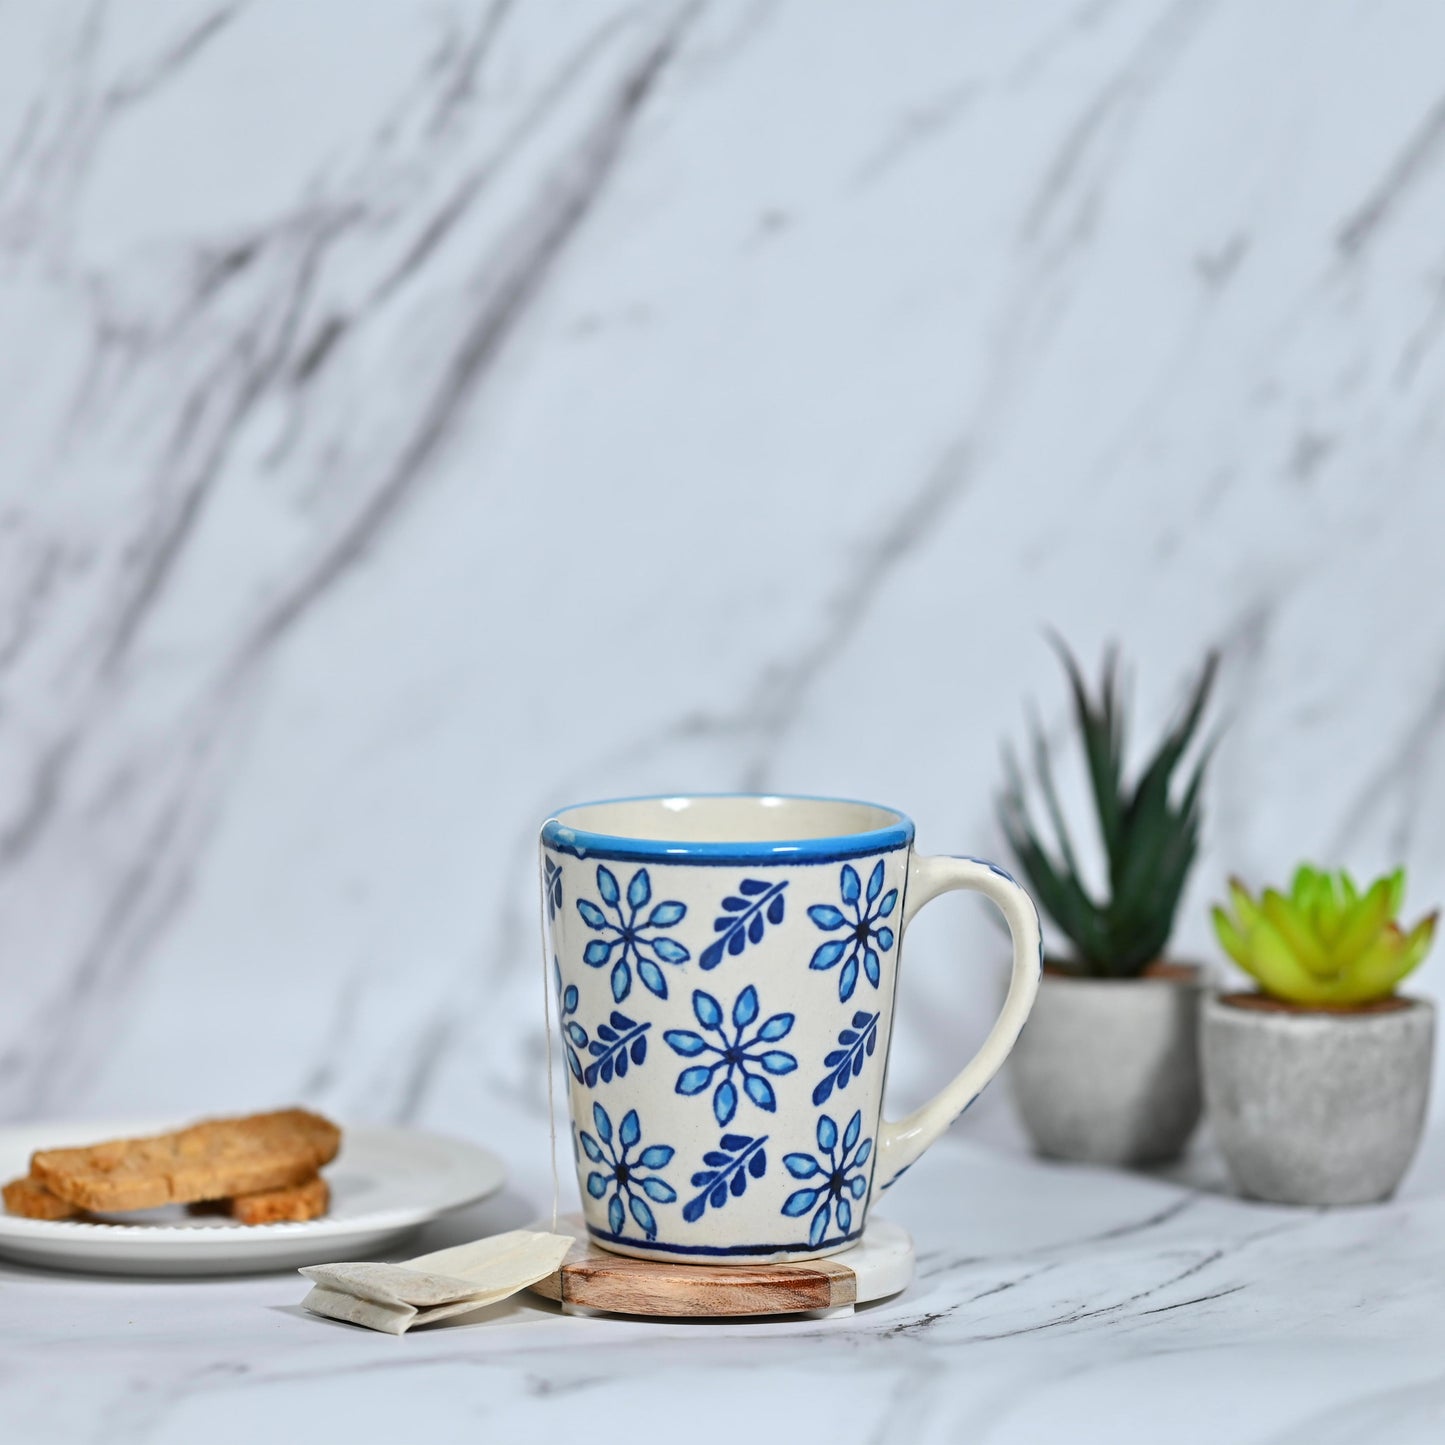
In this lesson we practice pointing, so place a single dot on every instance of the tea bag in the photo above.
(394, 1297)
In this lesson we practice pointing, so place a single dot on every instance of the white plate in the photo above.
(384, 1183)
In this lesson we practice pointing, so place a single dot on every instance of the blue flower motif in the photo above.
(864, 929)
(622, 1174)
(572, 1032)
(737, 1054)
(843, 1180)
(628, 935)
(552, 885)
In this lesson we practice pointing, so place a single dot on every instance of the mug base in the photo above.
(708, 1257)
(607, 1281)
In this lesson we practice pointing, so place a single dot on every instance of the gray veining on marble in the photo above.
(415, 417)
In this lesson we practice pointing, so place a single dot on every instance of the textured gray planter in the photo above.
(1107, 1070)
(1317, 1108)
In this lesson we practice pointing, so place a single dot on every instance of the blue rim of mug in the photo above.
(585, 843)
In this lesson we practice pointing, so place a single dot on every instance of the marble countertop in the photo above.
(416, 417)
(1052, 1303)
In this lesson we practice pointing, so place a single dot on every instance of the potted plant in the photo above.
(1107, 1070)
(1318, 1083)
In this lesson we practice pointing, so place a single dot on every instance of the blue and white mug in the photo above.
(725, 970)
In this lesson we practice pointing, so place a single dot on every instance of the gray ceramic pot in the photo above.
(1317, 1108)
(1107, 1070)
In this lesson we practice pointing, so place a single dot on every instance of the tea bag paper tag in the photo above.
(394, 1297)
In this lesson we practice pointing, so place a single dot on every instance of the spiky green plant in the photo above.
(1149, 835)
(1326, 943)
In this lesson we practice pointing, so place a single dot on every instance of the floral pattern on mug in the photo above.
(623, 1177)
(640, 944)
(736, 1054)
(844, 1179)
(865, 933)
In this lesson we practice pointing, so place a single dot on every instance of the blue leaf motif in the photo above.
(639, 891)
(607, 884)
(643, 1215)
(651, 976)
(744, 919)
(820, 1226)
(619, 1042)
(870, 966)
(574, 1036)
(725, 1102)
(685, 1042)
(875, 881)
(621, 980)
(738, 1158)
(846, 1063)
(745, 1009)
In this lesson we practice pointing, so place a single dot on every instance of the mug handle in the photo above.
(903, 1142)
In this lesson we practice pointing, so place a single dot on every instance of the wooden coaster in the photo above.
(591, 1278)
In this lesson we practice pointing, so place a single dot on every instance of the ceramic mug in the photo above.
(724, 969)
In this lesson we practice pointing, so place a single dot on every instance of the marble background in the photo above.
(414, 417)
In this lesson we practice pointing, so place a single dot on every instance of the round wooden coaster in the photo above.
(590, 1278)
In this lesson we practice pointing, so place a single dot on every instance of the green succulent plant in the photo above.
(1149, 835)
(1327, 942)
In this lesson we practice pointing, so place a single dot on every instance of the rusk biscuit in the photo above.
(293, 1205)
(217, 1159)
(30, 1199)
